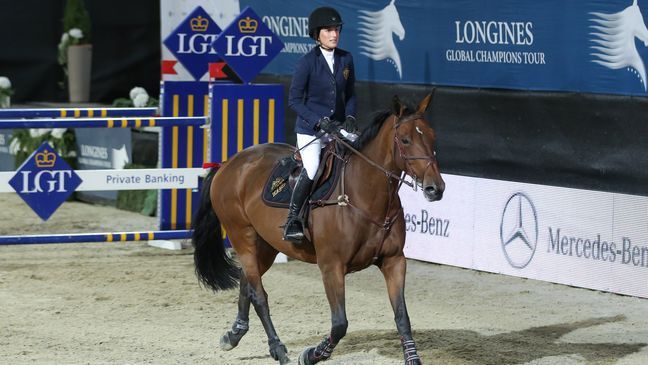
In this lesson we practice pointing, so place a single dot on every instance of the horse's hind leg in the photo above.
(393, 269)
(240, 327)
(256, 257)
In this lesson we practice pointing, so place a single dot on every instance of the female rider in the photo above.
(322, 93)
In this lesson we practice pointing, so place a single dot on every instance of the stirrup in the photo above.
(297, 233)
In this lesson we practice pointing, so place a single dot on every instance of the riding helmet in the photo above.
(321, 18)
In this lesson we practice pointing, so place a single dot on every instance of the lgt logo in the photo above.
(249, 42)
(191, 42)
(45, 181)
(247, 45)
(54, 181)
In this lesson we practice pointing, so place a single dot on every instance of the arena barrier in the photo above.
(97, 180)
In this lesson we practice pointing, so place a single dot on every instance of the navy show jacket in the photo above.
(315, 92)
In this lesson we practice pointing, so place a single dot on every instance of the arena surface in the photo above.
(128, 303)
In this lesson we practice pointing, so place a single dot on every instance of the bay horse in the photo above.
(367, 229)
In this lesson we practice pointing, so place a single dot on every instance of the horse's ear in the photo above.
(397, 107)
(425, 103)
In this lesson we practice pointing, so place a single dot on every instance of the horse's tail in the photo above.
(214, 268)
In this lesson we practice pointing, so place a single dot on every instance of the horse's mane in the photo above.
(371, 131)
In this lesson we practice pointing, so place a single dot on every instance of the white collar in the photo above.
(327, 53)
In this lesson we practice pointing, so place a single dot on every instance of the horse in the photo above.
(366, 228)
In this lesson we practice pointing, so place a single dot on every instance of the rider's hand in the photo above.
(329, 126)
(350, 125)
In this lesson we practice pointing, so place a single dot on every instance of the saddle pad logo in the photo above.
(191, 42)
(247, 45)
(277, 186)
(45, 181)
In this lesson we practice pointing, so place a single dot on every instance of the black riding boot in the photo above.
(294, 228)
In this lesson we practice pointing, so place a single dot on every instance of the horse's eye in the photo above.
(405, 140)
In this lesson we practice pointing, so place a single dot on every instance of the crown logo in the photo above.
(45, 159)
(248, 25)
(199, 24)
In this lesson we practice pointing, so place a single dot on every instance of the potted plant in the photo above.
(75, 50)
(5, 92)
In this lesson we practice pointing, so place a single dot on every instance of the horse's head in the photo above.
(415, 143)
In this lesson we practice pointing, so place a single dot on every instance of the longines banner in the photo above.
(582, 46)
(583, 238)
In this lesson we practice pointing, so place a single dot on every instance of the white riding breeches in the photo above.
(310, 153)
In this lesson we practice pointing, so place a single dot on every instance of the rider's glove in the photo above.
(329, 126)
(350, 125)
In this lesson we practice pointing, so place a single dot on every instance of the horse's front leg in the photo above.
(393, 269)
(333, 278)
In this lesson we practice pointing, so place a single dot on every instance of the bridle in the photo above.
(406, 158)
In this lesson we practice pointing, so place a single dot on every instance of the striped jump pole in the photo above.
(103, 122)
(95, 237)
(78, 112)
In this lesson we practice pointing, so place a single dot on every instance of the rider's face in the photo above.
(329, 36)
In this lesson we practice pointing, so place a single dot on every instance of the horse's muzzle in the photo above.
(432, 192)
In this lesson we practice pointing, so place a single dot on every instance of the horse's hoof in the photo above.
(279, 353)
(225, 343)
(284, 360)
(303, 357)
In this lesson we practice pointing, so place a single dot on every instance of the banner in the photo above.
(594, 46)
(583, 238)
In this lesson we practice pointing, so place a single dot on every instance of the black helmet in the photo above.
(323, 17)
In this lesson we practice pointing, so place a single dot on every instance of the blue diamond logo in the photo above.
(248, 45)
(45, 181)
(191, 42)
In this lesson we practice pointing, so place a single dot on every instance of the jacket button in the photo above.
(332, 110)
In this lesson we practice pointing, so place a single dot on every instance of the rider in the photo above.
(322, 93)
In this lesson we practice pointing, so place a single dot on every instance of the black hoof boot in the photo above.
(409, 352)
(305, 355)
(232, 337)
(313, 355)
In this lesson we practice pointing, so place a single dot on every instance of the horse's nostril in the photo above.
(430, 189)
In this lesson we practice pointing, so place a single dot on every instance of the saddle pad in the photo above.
(277, 191)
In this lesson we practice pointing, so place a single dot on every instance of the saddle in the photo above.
(279, 186)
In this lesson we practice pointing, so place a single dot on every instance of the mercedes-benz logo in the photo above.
(519, 230)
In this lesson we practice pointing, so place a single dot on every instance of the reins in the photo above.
(372, 163)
